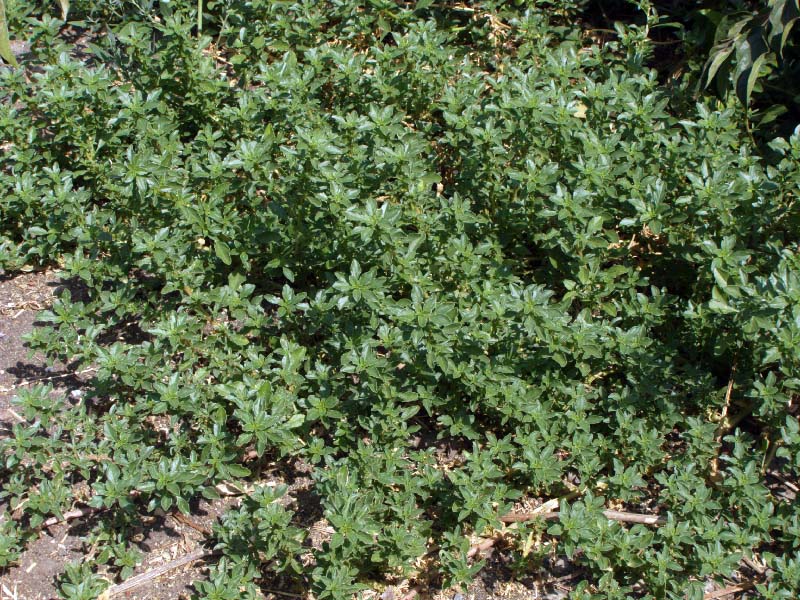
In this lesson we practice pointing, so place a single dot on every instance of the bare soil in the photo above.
(21, 298)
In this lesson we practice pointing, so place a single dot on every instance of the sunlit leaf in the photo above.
(5, 46)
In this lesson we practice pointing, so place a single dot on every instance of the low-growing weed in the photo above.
(458, 258)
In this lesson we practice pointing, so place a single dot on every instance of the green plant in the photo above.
(5, 46)
(5, 43)
(79, 583)
(750, 41)
(451, 258)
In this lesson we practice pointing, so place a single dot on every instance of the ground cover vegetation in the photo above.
(457, 257)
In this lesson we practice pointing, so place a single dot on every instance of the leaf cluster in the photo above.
(452, 259)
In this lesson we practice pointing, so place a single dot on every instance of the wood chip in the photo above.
(733, 589)
(138, 580)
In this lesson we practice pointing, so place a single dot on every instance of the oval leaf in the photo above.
(223, 252)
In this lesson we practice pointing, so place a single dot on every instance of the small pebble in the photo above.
(458, 597)
(76, 394)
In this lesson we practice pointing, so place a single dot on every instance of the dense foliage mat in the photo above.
(452, 256)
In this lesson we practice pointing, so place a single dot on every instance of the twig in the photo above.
(732, 589)
(723, 425)
(70, 515)
(613, 515)
(543, 509)
(228, 488)
(14, 414)
(523, 517)
(48, 378)
(138, 580)
(481, 546)
(24, 305)
(187, 521)
(760, 569)
(629, 517)
(279, 593)
(723, 416)
(769, 456)
(783, 480)
(564, 578)
(458, 7)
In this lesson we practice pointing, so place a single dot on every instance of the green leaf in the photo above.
(751, 53)
(782, 18)
(720, 305)
(237, 471)
(64, 4)
(182, 505)
(223, 252)
(295, 421)
(719, 54)
(753, 75)
(5, 44)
